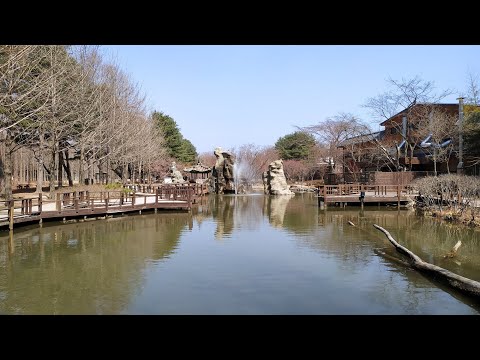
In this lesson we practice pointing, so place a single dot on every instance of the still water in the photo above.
(251, 254)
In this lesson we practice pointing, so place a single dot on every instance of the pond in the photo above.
(244, 254)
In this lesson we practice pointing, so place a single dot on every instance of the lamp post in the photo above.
(460, 136)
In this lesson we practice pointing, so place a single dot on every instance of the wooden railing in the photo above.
(198, 189)
(90, 202)
(352, 189)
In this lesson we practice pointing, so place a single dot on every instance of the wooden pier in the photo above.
(358, 195)
(86, 204)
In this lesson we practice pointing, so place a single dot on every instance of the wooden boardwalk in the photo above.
(357, 195)
(97, 204)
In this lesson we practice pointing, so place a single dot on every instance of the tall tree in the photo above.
(402, 95)
(188, 153)
(471, 126)
(332, 132)
(296, 146)
(178, 147)
(23, 95)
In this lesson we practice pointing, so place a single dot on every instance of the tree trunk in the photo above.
(463, 284)
(2, 162)
(60, 169)
(81, 175)
(107, 170)
(40, 165)
(124, 173)
(51, 173)
(91, 172)
(8, 174)
(68, 170)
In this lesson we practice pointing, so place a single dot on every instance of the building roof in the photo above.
(413, 105)
(198, 168)
(362, 139)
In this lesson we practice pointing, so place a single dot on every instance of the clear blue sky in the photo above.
(234, 94)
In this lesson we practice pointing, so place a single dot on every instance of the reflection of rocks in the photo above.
(274, 180)
(233, 212)
(276, 207)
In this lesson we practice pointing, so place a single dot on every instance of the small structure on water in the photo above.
(198, 173)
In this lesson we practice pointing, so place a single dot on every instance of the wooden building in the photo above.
(198, 172)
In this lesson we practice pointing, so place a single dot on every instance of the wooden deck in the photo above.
(358, 195)
(97, 204)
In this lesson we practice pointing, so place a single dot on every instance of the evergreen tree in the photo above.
(296, 146)
(178, 147)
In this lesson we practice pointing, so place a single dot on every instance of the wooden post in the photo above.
(11, 208)
(107, 200)
(58, 202)
(75, 200)
(189, 197)
(156, 199)
(398, 196)
(133, 199)
(11, 244)
(40, 203)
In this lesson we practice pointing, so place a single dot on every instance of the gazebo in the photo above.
(198, 172)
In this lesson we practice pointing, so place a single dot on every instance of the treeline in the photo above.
(63, 104)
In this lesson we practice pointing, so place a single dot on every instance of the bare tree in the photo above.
(333, 132)
(403, 95)
(473, 89)
(253, 161)
(23, 96)
(439, 133)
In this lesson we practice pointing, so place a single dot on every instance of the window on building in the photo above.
(393, 130)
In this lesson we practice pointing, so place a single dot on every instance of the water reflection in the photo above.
(283, 256)
(275, 207)
(230, 212)
(83, 268)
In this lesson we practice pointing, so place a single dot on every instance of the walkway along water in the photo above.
(87, 204)
(358, 194)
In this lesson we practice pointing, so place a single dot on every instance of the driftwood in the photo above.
(463, 284)
(390, 257)
(454, 250)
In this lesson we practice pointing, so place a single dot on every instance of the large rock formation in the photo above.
(274, 181)
(222, 181)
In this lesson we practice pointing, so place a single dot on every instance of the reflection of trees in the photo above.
(428, 238)
(84, 268)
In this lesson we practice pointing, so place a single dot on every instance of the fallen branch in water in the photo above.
(454, 250)
(391, 258)
(458, 282)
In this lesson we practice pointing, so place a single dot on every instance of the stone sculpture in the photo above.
(222, 181)
(274, 181)
(176, 175)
